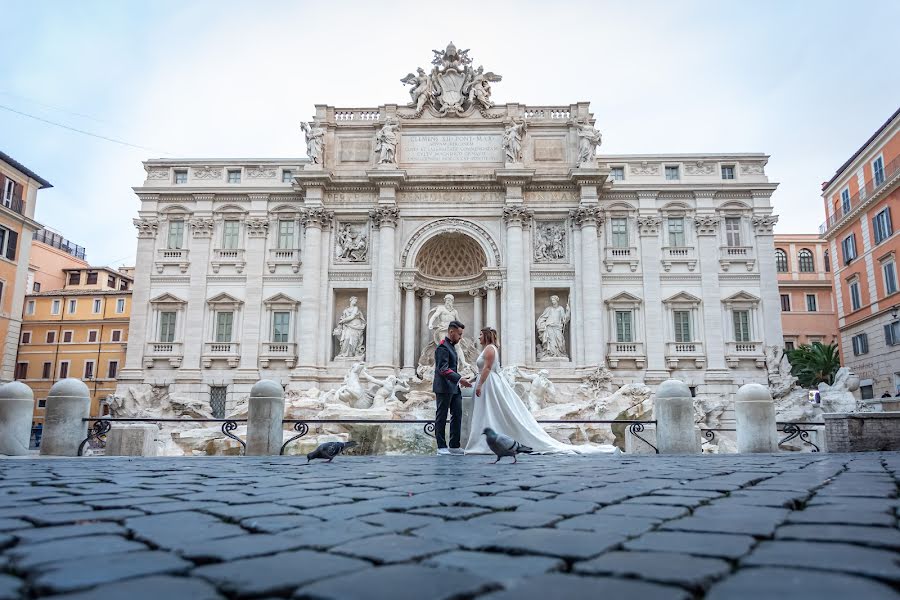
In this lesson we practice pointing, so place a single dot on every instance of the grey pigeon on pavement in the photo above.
(503, 445)
(329, 450)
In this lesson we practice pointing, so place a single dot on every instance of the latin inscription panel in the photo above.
(415, 148)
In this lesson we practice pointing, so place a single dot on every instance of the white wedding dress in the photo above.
(500, 408)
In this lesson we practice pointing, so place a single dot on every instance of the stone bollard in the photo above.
(133, 439)
(676, 432)
(16, 411)
(264, 428)
(68, 402)
(754, 412)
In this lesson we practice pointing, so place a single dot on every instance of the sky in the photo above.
(806, 82)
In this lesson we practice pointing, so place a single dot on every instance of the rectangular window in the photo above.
(733, 231)
(180, 176)
(878, 171)
(672, 173)
(785, 303)
(98, 303)
(845, 200)
(224, 321)
(286, 235)
(287, 176)
(881, 223)
(63, 369)
(827, 262)
(123, 285)
(115, 335)
(176, 234)
(73, 306)
(120, 305)
(92, 278)
(727, 171)
(67, 337)
(624, 327)
(619, 228)
(92, 336)
(21, 370)
(36, 287)
(811, 304)
(741, 319)
(889, 269)
(9, 190)
(855, 299)
(167, 326)
(848, 247)
(26, 337)
(113, 369)
(217, 396)
(683, 326)
(29, 308)
(74, 278)
(789, 346)
(617, 173)
(88, 369)
(8, 241)
(47, 370)
(111, 282)
(281, 323)
(892, 333)
(234, 176)
(230, 234)
(676, 231)
(51, 337)
(860, 344)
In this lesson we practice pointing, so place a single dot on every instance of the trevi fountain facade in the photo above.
(335, 274)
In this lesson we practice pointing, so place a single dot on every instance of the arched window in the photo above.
(781, 260)
(806, 261)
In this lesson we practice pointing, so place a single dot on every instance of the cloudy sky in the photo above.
(806, 82)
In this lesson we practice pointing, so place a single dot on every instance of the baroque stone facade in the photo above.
(654, 266)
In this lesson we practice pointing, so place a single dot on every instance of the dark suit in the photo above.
(447, 392)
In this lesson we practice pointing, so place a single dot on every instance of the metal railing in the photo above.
(58, 241)
(869, 188)
(792, 429)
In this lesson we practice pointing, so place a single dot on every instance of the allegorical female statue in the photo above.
(315, 142)
(512, 140)
(386, 140)
(551, 327)
(588, 140)
(350, 331)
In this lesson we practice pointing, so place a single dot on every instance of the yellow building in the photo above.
(79, 331)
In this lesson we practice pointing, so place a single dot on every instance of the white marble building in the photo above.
(245, 267)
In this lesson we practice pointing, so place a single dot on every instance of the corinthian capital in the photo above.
(316, 217)
(586, 215)
(706, 224)
(385, 216)
(649, 225)
(146, 227)
(201, 227)
(516, 214)
(257, 227)
(764, 224)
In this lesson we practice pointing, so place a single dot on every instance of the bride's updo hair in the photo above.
(490, 336)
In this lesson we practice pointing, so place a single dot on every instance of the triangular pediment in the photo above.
(682, 297)
(624, 298)
(741, 296)
(167, 298)
(280, 298)
(224, 298)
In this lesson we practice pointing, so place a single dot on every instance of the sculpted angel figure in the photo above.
(551, 330)
(588, 140)
(479, 89)
(512, 140)
(422, 88)
(315, 142)
(350, 331)
(386, 140)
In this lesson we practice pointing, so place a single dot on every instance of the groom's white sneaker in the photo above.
(457, 451)
(443, 451)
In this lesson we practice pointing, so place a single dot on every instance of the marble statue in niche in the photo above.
(386, 140)
(551, 328)
(315, 142)
(350, 331)
(352, 243)
(513, 136)
(550, 242)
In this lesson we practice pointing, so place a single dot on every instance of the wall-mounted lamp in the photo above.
(895, 310)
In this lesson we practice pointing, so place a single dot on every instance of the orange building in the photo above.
(18, 194)
(808, 313)
(79, 331)
(51, 253)
(862, 201)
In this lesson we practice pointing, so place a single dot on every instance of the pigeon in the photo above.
(503, 445)
(329, 450)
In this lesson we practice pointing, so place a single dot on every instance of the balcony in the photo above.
(172, 256)
(269, 351)
(15, 202)
(685, 351)
(738, 351)
(729, 255)
(228, 256)
(171, 351)
(54, 239)
(227, 351)
(679, 254)
(627, 256)
(626, 351)
(867, 192)
(279, 256)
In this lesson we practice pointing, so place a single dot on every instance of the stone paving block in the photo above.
(42, 534)
(62, 518)
(689, 493)
(314, 501)
(400, 522)
(686, 501)
(450, 513)
(241, 546)
(13, 524)
(6, 540)
(334, 533)
(852, 534)
(28, 556)
(553, 585)
(561, 487)
(277, 573)
(605, 495)
(699, 544)
(517, 518)
(499, 502)
(10, 587)
(462, 533)
(392, 548)
(758, 584)
(566, 508)
(612, 523)
(90, 571)
(154, 587)
(172, 529)
(829, 557)
(572, 545)
(342, 511)
(682, 569)
(502, 568)
(158, 508)
(278, 523)
(775, 498)
(647, 511)
(825, 514)
(527, 494)
(885, 505)
(244, 511)
(396, 582)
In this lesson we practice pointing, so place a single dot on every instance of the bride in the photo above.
(497, 406)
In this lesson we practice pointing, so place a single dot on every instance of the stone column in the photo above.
(194, 314)
(147, 229)
(770, 302)
(253, 329)
(515, 216)
(16, 410)
(68, 402)
(314, 220)
(706, 227)
(491, 301)
(426, 308)
(754, 413)
(409, 328)
(674, 409)
(478, 322)
(588, 217)
(654, 330)
(265, 431)
(385, 221)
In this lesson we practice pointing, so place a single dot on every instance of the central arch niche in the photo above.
(451, 256)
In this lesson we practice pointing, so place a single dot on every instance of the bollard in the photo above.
(754, 412)
(68, 402)
(133, 439)
(675, 429)
(16, 411)
(266, 410)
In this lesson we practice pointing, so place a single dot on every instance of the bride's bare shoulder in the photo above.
(490, 350)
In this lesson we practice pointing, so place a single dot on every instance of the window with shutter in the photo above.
(741, 320)
(682, 326)
(224, 321)
(12, 240)
(624, 330)
(733, 231)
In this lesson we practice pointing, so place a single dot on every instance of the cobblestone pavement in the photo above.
(754, 526)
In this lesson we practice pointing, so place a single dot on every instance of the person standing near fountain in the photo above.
(446, 388)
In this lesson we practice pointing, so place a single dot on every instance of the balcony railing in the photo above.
(171, 351)
(621, 255)
(57, 241)
(871, 187)
(283, 256)
(688, 351)
(228, 256)
(172, 256)
(744, 348)
(736, 254)
(679, 254)
(230, 351)
(286, 351)
(618, 351)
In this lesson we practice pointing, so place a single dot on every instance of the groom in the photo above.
(446, 389)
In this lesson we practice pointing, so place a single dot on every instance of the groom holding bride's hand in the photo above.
(446, 388)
